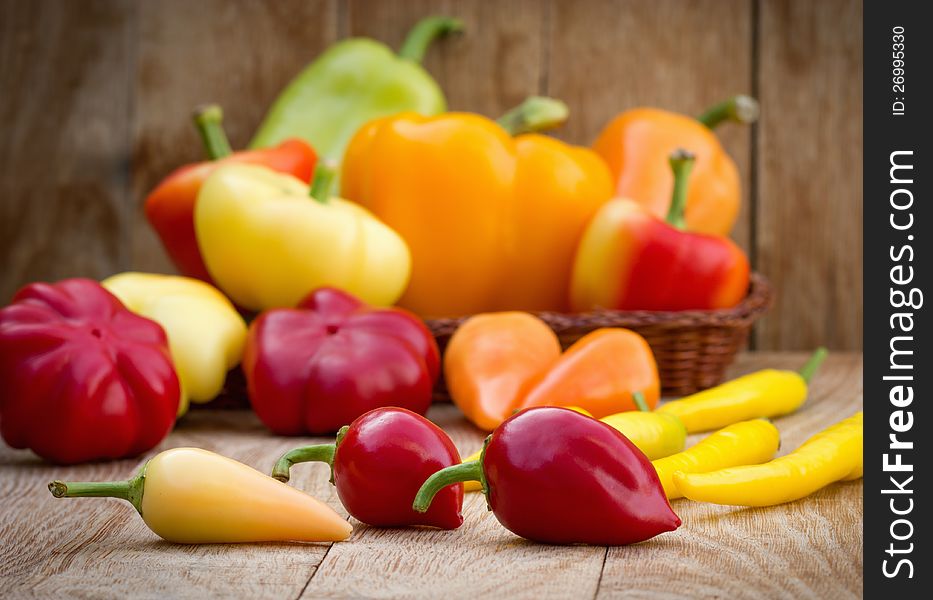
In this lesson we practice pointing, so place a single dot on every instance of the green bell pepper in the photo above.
(355, 81)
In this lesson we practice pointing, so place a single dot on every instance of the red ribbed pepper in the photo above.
(378, 464)
(317, 367)
(84, 378)
(170, 206)
(553, 475)
(628, 259)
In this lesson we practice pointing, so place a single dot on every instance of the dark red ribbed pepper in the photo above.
(555, 476)
(379, 462)
(170, 206)
(83, 378)
(317, 367)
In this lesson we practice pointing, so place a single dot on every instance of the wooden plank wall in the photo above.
(95, 97)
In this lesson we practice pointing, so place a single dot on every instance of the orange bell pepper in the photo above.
(629, 259)
(600, 373)
(492, 221)
(636, 145)
(170, 206)
(492, 360)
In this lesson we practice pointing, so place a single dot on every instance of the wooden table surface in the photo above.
(100, 548)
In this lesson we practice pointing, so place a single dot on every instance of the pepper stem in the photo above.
(809, 369)
(639, 399)
(423, 33)
(208, 119)
(740, 109)
(324, 176)
(468, 471)
(130, 490)
(319, 453)
(536, 113)
(681, 163)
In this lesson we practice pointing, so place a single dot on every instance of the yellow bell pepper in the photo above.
(192, 496)
(205, 332)
(268, 241)
(493, 221)
(656, 434)
(834, 454)
(767, 393)
(746, 443)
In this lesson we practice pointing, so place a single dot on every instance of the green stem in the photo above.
(423, 33)
(809, 369)
(324, 176)
(681, 163)
(208, 119)
(639, 399)
(130, 490)
(468, 471)
(536, 113)
(739, 109)
(319, 453)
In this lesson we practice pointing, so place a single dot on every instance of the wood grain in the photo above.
(101, 549)
(809, 226)
(606, 57)
(64, 113)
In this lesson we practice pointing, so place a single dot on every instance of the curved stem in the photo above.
(468, 471)
(319, 453)
(536, 113)
(639, 399)
(423, 33)
(681, 163)
(809, 369)
(208, 119)
(324, 176)
(130, 490)
(739, 109)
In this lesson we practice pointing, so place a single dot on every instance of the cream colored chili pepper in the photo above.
(192, 496)
(834, 454)
(745, 443)
(205, 332)
(766, 393)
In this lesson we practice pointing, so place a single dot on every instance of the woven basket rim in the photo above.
(756, 302)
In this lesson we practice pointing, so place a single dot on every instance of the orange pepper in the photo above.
(637, 143)
(492, 221)
(492, 360)
(599, 373)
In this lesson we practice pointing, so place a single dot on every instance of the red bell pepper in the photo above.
(317, 367)
(170, 206)
(84, 378)
(378, 464)
(628, 259)
(555, 476)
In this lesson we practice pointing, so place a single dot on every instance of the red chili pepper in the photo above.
(84, 378)
(170, 206)
(555, 476)
(379, 462)
(628, 259)
(317, 367)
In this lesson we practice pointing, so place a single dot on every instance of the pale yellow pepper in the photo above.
(745, 443)
(205, 332)
(767, 393)
(268, 242)
(192, 496)
(834, 454)
(656, 434)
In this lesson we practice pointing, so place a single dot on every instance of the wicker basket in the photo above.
(693, 348)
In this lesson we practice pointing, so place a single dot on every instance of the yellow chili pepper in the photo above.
(205, 332)
(745, 443)
(834, 454)
(766, 393)
(192, 496)
(656, 434)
